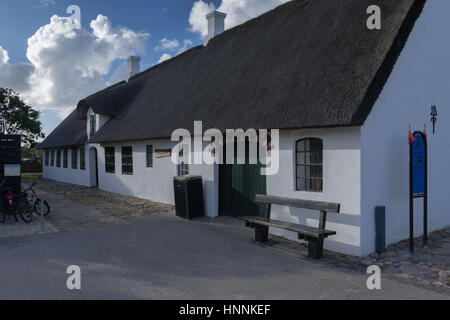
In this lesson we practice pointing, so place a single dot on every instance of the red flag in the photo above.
(411, 136)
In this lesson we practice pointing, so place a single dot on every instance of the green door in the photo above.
(238, 186)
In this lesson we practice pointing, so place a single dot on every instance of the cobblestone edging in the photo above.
(427, 266)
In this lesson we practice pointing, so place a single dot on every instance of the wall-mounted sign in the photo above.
(163, 153)
(12, 170)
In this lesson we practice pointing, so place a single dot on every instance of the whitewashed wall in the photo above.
(68, 175)
(342, 184)
(421, 78)
(155, 183)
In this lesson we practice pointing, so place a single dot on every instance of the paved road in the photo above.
(162, 257)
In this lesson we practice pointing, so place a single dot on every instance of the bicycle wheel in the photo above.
(24, 210)
(3, 220)
(37, 207)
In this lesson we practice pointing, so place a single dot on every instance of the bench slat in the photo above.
(297, 203)
(305, 230)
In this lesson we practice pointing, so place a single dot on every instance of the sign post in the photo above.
(418, 182)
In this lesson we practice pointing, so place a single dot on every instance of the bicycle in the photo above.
(35, 202)
(13, 204)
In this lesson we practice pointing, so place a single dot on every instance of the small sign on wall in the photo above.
(12, 170)
(163, 153)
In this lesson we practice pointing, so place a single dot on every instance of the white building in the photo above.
(311, 69)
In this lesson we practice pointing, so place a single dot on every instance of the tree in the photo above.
(20, 118)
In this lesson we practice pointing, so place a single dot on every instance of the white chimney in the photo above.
(216, 25)
(134, 66)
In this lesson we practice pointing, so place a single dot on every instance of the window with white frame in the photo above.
(127, 160)
(58, 158)
(82, 159)
(75, 159)
(110, 159)
(149, 156)
(65, 158)
(309, 165)
(93, 123)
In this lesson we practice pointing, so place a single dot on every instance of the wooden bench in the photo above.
(314, 236)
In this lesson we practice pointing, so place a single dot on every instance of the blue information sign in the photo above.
(418, 164)
(419, 184)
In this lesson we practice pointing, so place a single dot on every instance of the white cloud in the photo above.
(164, 57)
(67, 64)
(186, 44)
(47, 3)
(238, 11)
(4, 58)
(168, 45)
(173, 45)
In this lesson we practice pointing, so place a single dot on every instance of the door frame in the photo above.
(93, 167)
(223, 183)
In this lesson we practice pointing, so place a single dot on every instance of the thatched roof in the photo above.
(305, 64)
(70, 133)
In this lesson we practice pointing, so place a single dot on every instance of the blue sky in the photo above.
(63, 65)
(161, 18)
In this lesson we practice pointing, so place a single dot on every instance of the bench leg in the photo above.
(261, 234)
(315, 248)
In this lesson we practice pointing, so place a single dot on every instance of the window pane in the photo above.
(93, 124)
(110, 160)
(301, 146)
(316, 157)
(127, 160)
(300, 171)
(65, 158)
(316, 145)
(301, 158)
(318, 172)
(309, 165)
(149, 156)
(58, 159)
(82, 159)
(301, 185)
(317, 185)
(307, 145)
(74, 159)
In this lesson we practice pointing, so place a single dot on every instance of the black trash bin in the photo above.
(189, 197)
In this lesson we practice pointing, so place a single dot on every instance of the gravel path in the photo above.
(109, 203)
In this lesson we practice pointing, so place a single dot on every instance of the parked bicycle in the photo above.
(13, 204)
(35, 202)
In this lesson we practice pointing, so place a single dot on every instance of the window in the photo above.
(93, 122)
(58, 158)
(52, 160)
(65, 159)
(74, 159)
(127, 160)
(110, 160)
(149, 156)
(183, 168)
(47, 153)
(309, 165)
(82, 159)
